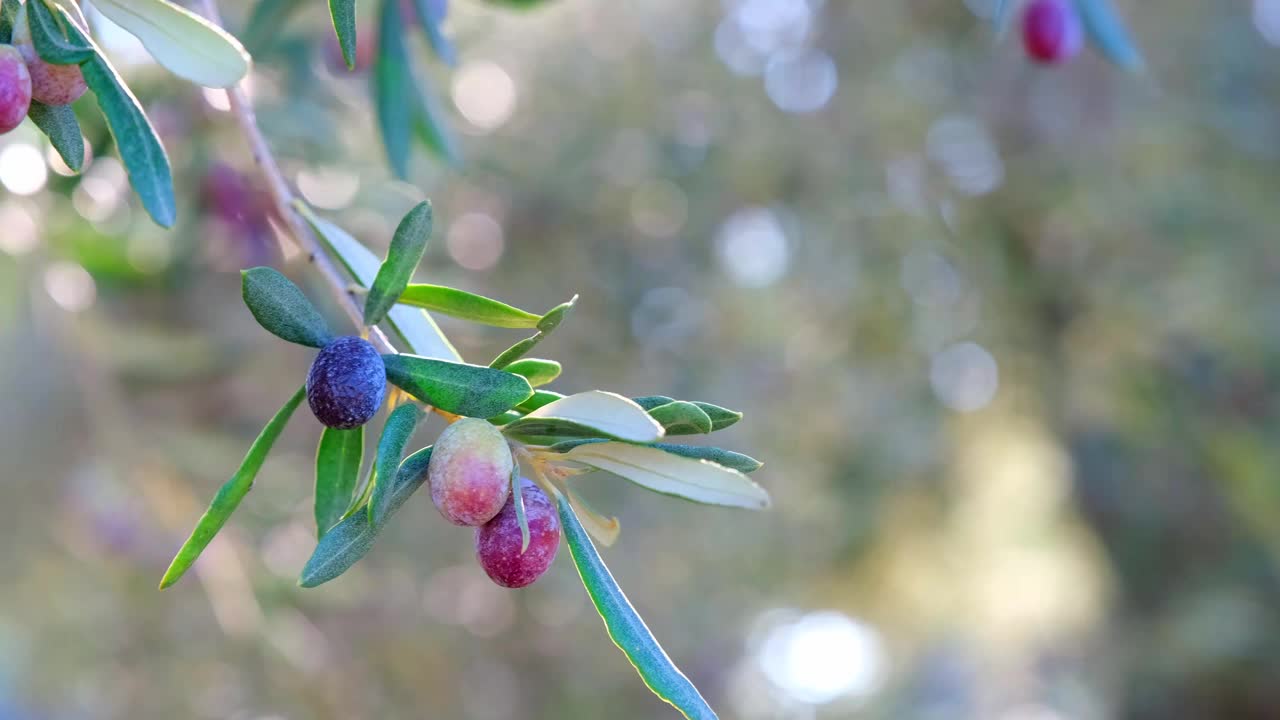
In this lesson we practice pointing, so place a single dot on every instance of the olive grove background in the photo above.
(1007, 338)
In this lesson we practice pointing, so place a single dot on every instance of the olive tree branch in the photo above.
(282, 198)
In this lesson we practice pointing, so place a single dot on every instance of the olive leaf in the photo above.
(1108, 33)
(467, 306)
(8, 18)
(184, 43)
(338, 459)
(49, 40)
(540, 398)
(624, 624)
(649, 402)
(394, 90)
(459, 388)
(139, 145)
(556, 315)
(405, 252)
(517, 500)
(430, 22)
(590, 414)
(415, 327)
(343, 14)
(535, 370)
(1002, 15)
(281, 308)
(728, 458)
(351, 539)
(660, 471)
(681, 417)
(59, 123)
(395, 435)
(721, 418)
(431, 128)
(231, 493)
(604, 528)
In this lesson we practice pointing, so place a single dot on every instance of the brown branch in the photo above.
(282, 197)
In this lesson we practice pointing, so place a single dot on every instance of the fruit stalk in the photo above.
(282, 198)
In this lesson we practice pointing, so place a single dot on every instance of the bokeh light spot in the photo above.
(22, 169)
(485, 94)
(475, 241)
(753, 248)
(964, 376)
(824, 656)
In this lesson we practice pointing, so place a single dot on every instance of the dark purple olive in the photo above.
(498, 541)
(347, 383)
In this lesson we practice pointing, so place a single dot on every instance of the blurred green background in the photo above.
(1007, 338)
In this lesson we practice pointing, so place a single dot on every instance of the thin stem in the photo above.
(282, 197)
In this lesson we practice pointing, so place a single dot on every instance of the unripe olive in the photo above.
(50, 84)
(347, 383)
(470, 472)
(498, 541)
(15, 88)
(1051, 31)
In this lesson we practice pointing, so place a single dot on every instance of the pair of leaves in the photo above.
(545, 325)
(402, 109)
(683, 417)
(413, 326)
(351, 539)
(458, 388)
(231, 493)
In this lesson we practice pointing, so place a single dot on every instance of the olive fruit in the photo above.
(15, 88)
(498, 541)
(347, 383)
(470, 472)
(1051, 31)
(50, 84)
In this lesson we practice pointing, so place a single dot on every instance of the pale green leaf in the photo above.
(697, 480)
(188, 45)
(610, 414)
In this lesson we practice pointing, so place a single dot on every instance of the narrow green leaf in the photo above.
(430, 21)
(536, 370)
(720, 456)
(556, 315)
(681, 417)
(394, 92)
(431, 127)
(343, 13)
(539, 399)
(395, 435)
(505, 417)
(351, 539)
(59, 123)
(625, 626)
(413, 326)
(139, 145)
(49, 40)
(185, 43)
(338, 459)
(405, 252)
(517, 499)
(649, 402)
(281, 308)
(231, 493)
(721, 418)
(459, 388)
(467, 306)
(517, 351)
(8, 18)
(589, 414)
(1108, 33)
(663, 472)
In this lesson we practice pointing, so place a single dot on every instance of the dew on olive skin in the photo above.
(347, 383)
(470, 472)
(498, 541)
